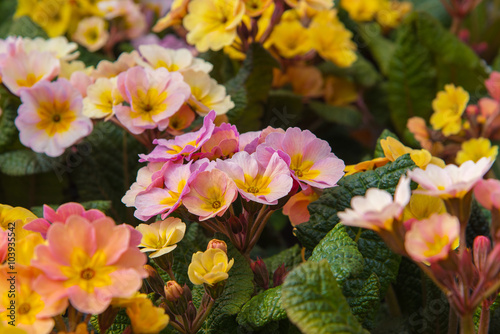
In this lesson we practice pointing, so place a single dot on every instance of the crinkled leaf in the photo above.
(25, 27)
(27, 162)
(341, 252)
(314, 302)
(361, 72)
(8, 130)
(348, 116)
(262, 309)
(363, 296)
(381, 48)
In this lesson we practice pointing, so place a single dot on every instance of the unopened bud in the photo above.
(216, 243)
(164, 261)
(191, 312)
(481, 249)
(236, 225)
(260, 273)
(107, 318)
(173, 291)
(154, 280)
(279, 275)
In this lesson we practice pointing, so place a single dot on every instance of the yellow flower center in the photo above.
(91, 35)
(435, 246)
(29, 81)
(253, 190)
(87, 274)
(302, 168)
(24, 309)
(148, 104)
(55, 117)
(216, 204)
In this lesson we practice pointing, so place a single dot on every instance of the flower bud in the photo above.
(260, 273)
(481, 249)
(154, 280)
(279, 275)
(173, 291)
(107, 318)
(191, 312)
(216, 243)
(164, 261)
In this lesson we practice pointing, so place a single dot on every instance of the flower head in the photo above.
(475, 149)
(422, 207)
(143, 181)
(54, 16)
(487, 193)
(181, 120)
(212, 192)
(394, 149)
(296, 207)
(366, 165)
(153, 96)
(449, 106)
(161, 237)
(377, 209)
(450, 181)
(212, 24)
(431, 240)
(291, 39)
(145, 317)
(259, 183)
(361, 10)
(91, 33)
(223, 142)
(209, 267)
(17, 215)
(102, 97)
(89, 263)
(181, 60)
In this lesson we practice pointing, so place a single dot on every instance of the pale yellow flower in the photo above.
(102, 96)
(209, 267)
(212, 23)
(161, 237)
(449, 106)
(475, 149)
(393, 149)
(181, 60)
(422, 207)
(91, 33)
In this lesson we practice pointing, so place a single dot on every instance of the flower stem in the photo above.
(452, 321)
(484, 321)
(467, 324)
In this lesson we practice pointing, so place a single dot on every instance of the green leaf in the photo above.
(290, 257)
(99, 205)
(381, 48)
(314, 302)
(223, 66)
(8, 130)
(379, 152)
(363, 296)
(341, 252)
(262, 309)
(7, 10)
(238, 290)
(91, 58)
(324, 210)
(283, 109)
(26, 162)
(496, 63)
(361, 72)
(25, 27)
(348, 116)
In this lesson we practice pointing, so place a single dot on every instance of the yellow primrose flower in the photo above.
(393, 149)
(290, 39)
(449, 106)
(331, 39)
(174, 17)
(209, 267)
(365, 165)
(52, 15)
(392, 13)
(256, 7)
(340, 91)
(161, 237)
(362, 10)
(25, 248)
(102, 96)
(212, 24)
(7, 329)
(422, 207)
(145, 317)
(17, 215)
(475, 149)
(92, 33)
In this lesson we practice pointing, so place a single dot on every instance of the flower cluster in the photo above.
(388, 14)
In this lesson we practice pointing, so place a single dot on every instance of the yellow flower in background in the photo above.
(290, 39)
(362, 10)
(340, 91)
(392, 13)
(19, 216)
(161, 237)
(101, 97)
(177, 12)
(145, 317)
(53, 16)
(7, 329)
(422, 207)
(92, 33)
(475, 149)
(212, 24)
(449, 105)
(365, 165)
(209, 267)
(331, 39)
(393, 149)
(256, 7)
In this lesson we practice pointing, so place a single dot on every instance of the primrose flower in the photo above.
(161, 237)
(181, 60)
(310, 159)
(365, 166)
(255, 182)
(487, 193)
(18, 215)
(340, 91)
(153, 96)
(417, 126)
(393, 12)
(209, 267)
(450, 181)
(107, 69)
(296, 207)
(331, 39)
(102, 97)
(50, 117)
(393, 149)
(254, 8)
(207, 94)
(212, 24)
(422, 207)
(182, 146)
(89, 263)
(290, 39)
(223, 142)
(449, 106)
(431, 240)
(145, 317)
(475, 149)
(51, 216)
(23, 70)
(54, 16)
(361, 10)
(143, 181)
(91, 33)
(377, 209)
(174, 17)
(212, 192)
(181, 120)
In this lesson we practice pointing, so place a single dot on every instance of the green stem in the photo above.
(467, 324)
(201, 316)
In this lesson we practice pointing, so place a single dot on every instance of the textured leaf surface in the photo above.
(314, 302)
(291, 257)
(26, 162)
(25, 27)
(381, 47)
(8, 129)
(262, 309)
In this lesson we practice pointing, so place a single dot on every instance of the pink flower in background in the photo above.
(310, 159)
(211, 194)
(51, 216)
(24, 70)
(182, 146)
(152, 96)
(487, 193)
(255, 182)
(296, 207)
(222, 143)
(50, 117)
(89, 263)
(376, 210)
(451, 181)
(430, 240)
(493, 85)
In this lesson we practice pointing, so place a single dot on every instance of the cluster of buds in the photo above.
(210, 269)
(200, 174)
(429, 227)
(261, 274)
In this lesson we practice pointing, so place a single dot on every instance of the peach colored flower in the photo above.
(296, 207)
(487, 193)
